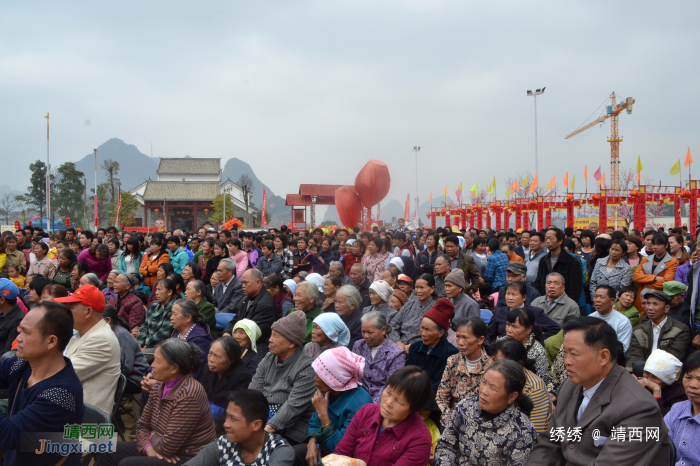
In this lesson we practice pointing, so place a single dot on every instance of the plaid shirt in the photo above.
(496, 266)
(157, 326)
(130, 309)
(288, 264)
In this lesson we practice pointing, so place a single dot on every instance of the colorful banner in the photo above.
(407, 207)
(264, 207)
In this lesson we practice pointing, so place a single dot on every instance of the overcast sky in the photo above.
(309, 91)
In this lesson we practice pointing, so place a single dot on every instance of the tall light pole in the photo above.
(535, 94)
(48, 178)
(416, 149)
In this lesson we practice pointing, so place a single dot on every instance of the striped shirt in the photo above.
(536, 389)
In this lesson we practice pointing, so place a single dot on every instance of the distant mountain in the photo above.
(134, 166)
(236, 167)
(6, 189)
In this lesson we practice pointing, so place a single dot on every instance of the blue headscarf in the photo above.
(334, 327)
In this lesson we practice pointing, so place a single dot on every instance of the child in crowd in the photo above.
(15, 277)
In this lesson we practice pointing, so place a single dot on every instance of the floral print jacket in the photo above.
(458, 383)
(379, 368)
(470, 439)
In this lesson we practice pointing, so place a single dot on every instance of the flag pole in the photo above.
(48, 177)
(95, 150)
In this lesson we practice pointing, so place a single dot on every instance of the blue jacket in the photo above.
(433, 363)
(179, 259)
(122, 263)
(340, 413)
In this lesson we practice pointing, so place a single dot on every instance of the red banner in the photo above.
(407, 208)
(264, 207)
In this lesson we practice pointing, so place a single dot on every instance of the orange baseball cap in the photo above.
(88, 295)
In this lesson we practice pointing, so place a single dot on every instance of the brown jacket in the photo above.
(645, 276)
(16, 258)
(180, 424)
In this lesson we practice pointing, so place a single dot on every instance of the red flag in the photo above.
(264, 207)
(585, 172)
(688, 158)
(596, 175)
(407, 208)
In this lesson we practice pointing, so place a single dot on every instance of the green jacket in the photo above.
(310, 316)
(631, 313)
(157, 326)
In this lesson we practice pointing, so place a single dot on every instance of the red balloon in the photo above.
(349, 206)
(373, 182)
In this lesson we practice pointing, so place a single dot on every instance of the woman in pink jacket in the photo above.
(98, 260)
(239, 255)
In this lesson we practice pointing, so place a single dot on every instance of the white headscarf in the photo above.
(397, 262)
(292, 285)
(663, 365)
(383, 289)
(317, 280)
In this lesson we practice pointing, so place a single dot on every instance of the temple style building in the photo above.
(182, 196)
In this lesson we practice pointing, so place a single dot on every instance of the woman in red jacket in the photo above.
(152, 260)
(392, 433)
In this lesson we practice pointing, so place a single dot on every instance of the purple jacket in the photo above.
(406, 444)
(377, 371)
(682, 273)
(200, 336)
(100, 268)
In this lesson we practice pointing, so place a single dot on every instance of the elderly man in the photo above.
(603, 302)
(593, 226)
(358, 275)
(516, 272)
(229, 292)
(602, 398)
(441, 268)
(468, 243)
(336, 268)
(128, 305)
(658, 332)
(286, 378)
(560, 261)
(458, 260)
(680, 310)
(556, 303)
(95, 353)
(464, 305)
(12, 314)
(257, 305)
(305, 300)
(42, 387)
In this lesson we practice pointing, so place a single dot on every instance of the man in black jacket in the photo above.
(257, 305)
(560, 261)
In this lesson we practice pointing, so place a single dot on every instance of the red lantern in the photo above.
(18, 226)
(596, 199)
(442, 212)
(372, 183)
(427, 214)
(29, 223)
(97, 221)
(634, 194)
(532, 204)
(570, 198)
(158, 210)
(349, 206)
(685, 194)
(206, 211)
(67, 222)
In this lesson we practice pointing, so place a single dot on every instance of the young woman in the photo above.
(521, 326)
(406, 323)
(151, 261)
(676, 248)
(326, 255)
(357, 249)
(476, 427)
(426, 258)
(373, 261)
(130, 260)
(78, 270)
(386, 251)
(59, 270)
(164, 270)
(392, 432)
(239, 255)
(587, 239)
(219, 251)
(40, 261)
(611, 270)
(281, 243)
(275, 286)
(197, 291)
(634, 245)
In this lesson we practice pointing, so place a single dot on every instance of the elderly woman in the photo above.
(91, 279)
(157, 326)
(347, 305)
(492, 428)
(246, 332)
(133, 363)
(305, 300)
(331, 286)
(338, 397)
(433, 349)
(682, 420)
(176, 422)
(223, 374)
(611, 270)
(465, 306)
(108, 290)
(398, 299)
(660, 378)
(290, 287)
(464, 370)
(328, 331)
(392, 432)
(535, 388)
(380, 294)
(407, 322)
(191, 272)
(197, 291)
(382, 356)
(373, 260)
(190, 325)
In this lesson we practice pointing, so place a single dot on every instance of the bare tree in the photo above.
(246, 185)
(22, 205)
(8, 202)
(111, 168)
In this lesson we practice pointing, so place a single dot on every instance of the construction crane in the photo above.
(612, 112)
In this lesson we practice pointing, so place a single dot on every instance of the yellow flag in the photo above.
(573, 181)
(524, 182)
(507, 192)
(494, 186)
(460, 186)
(676, 168)
(639, 163)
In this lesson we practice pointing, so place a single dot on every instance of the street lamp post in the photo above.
(416, 149)
(535, 94)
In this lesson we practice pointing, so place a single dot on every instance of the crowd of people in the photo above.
(382, 347)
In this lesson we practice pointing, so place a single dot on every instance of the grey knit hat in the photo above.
(456, 276)
(292, 327)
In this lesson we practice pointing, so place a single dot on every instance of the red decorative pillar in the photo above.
(518, 217)
(526, 220)
(433, 220)
(540, 215)
(549, 217)
(603, 212)
(677, 204)
(488, 218)
(497, 213)
(506, 219)
(693, 208)
(480, 218)
(570, 213)
(471, 218)
(448, 220)
(463, 218)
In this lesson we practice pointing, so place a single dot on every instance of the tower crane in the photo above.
(612, 111)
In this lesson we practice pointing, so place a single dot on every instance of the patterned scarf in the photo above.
(229, 453)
